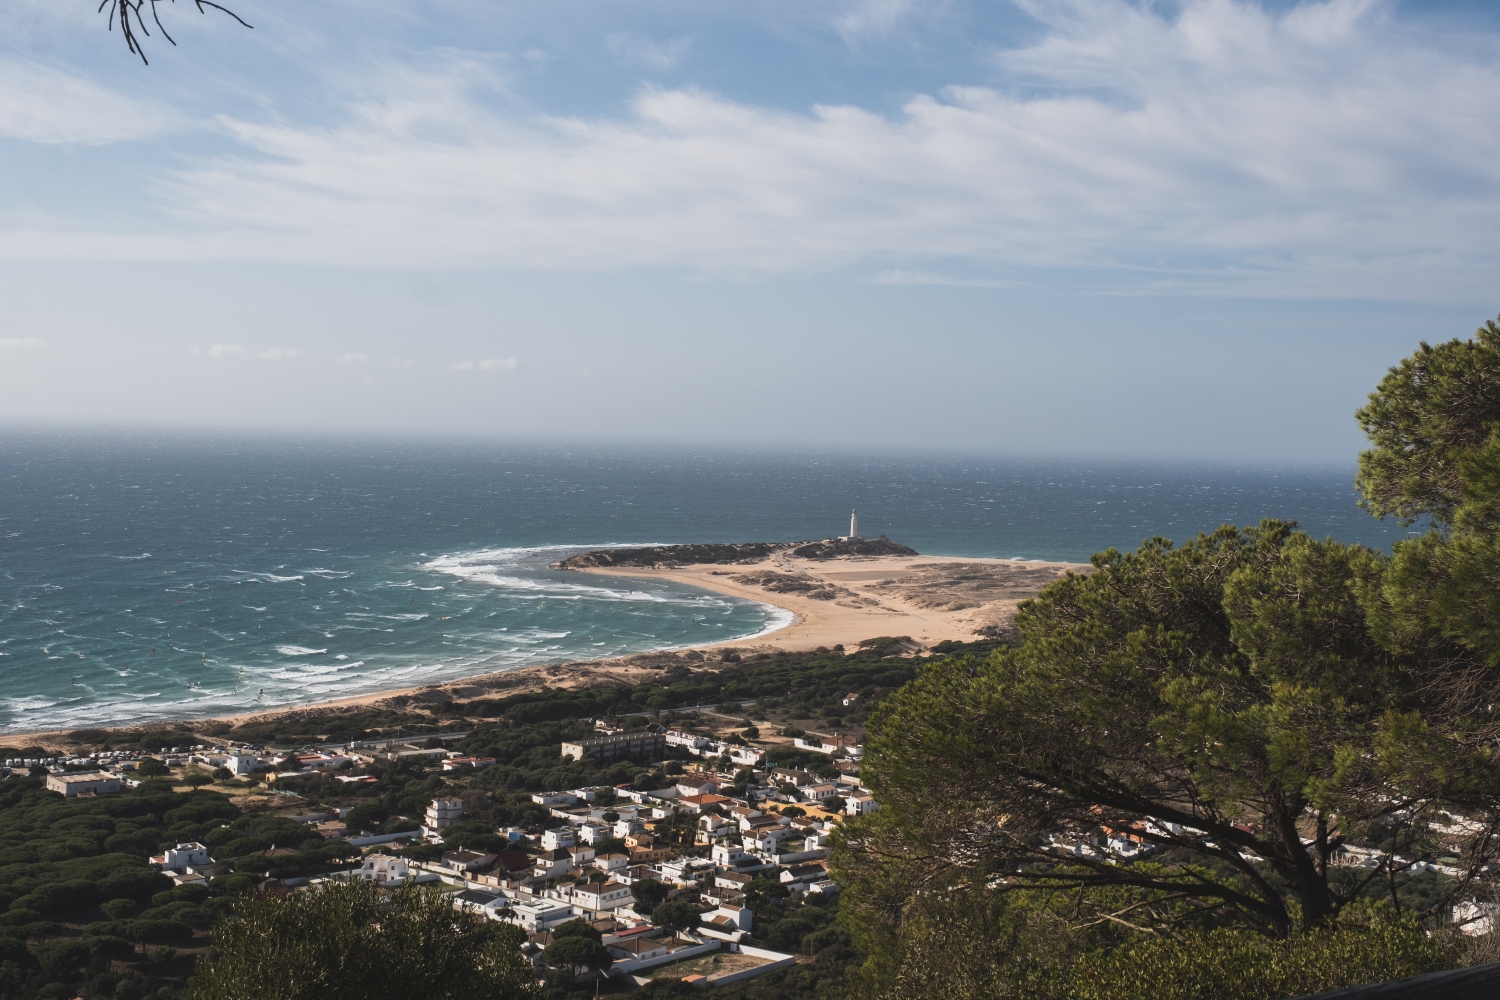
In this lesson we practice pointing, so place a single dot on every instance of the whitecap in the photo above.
(27, 704)
(329, 574)
(298, 651)
(248, 577)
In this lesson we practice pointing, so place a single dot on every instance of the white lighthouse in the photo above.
(854, 523)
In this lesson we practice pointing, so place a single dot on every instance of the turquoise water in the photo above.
(145, 577)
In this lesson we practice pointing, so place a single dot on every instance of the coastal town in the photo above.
(665, 875)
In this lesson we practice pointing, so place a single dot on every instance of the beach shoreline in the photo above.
(826, 603)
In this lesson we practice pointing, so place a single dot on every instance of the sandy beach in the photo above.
(829, 602)
(844, 601)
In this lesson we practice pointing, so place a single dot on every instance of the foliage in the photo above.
(358, 942)
(969, 944)
(82, 862)
(675, 914)
(1223, 700)
(577, 953)
(1430, 413)
(1231, 713)
(648, 893)
(577, 927)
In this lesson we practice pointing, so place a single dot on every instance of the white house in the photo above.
(241, 764)
(612, 862)
(550, 799)
(443, 813)
(182, 856)
(688, 741)
(383, 869)
(558, 839)
(746, 756)
(729, 855)
(819, 792)
(860, 805)
(684, 870)
(734, 881)
(592, 832)
(490, 905)
(552, 864)
(542, 914)
(738, 917)
(597, 896)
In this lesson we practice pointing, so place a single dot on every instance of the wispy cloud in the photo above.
(45, 105)
(354, 359)
(864, 18)
(899, 277)
(634, 47)
(1322, 150)
(279, 354)
(220, 351)
(20, 343)
(486, 365)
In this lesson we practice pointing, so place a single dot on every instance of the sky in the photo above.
(1193, 230)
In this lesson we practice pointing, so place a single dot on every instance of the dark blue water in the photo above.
(153, 577)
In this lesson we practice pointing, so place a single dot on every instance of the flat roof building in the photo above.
(83, 783)
(617, 745)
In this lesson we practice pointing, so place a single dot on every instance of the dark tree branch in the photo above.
(132, 17)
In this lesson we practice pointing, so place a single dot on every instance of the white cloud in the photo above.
(40, 104)
(870, 17)
(1322, 150)
(486, 365)
(20, 343)
(221, 351)
(634, 47)
(354, 359)
(280, 354)
(900, 277)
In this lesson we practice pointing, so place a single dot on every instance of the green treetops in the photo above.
(1223, 701)
(1435, 427)
(1430, 412)
(358, 942)
(675, 915)
(1162, 774)
(577, 954)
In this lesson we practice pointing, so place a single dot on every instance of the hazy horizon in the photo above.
(1196, 230)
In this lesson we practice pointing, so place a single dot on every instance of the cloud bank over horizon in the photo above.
(1320, 150)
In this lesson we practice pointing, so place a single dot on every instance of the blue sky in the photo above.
(1088, 227)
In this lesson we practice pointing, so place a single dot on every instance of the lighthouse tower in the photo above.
(854, 523)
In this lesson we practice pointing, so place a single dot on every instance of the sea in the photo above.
(147, 577)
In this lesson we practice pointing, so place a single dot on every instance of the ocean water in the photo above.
(152, 577)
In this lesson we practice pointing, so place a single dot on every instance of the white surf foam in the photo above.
(245, 576)
(298, 651)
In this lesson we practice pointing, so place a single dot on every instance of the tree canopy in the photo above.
(357, 941)
(1184, 743)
